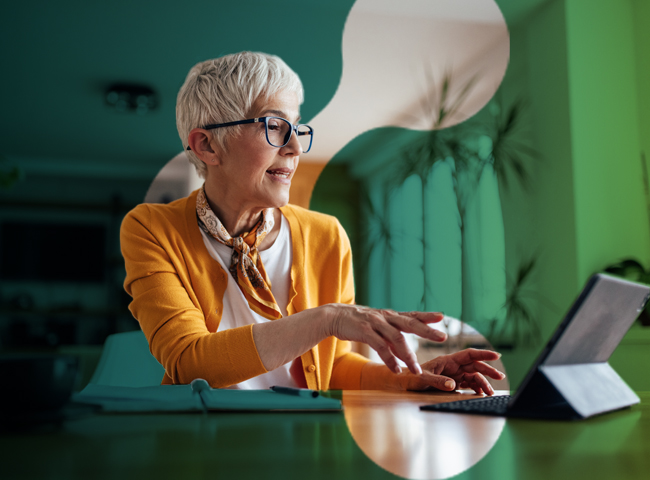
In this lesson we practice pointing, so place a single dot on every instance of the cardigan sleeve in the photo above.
(166, 306)
(346, 371)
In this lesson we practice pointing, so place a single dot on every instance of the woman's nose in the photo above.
(293, 146)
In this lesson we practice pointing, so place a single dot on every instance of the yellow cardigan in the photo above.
(177, 290)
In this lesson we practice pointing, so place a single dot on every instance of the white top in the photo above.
(236, 312)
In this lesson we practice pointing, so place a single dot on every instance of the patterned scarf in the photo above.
(245, 264)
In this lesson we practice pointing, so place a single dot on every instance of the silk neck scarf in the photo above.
(245, 264)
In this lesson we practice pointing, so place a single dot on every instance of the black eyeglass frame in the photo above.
(293, 128)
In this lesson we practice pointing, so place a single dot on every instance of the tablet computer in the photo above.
(571, 378)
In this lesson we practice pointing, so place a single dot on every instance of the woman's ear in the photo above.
(200, 141)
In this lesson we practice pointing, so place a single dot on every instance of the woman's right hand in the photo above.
(382, 331)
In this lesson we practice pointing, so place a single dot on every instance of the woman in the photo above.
(234, 285)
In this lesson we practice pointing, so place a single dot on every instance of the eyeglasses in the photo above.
(278, 131)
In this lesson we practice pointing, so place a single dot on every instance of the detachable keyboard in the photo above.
(480, 406)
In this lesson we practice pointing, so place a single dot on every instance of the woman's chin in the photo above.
(281, 203)
(277, 199)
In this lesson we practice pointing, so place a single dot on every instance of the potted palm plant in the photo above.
(508, 155)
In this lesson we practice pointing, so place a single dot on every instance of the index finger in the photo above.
(412, 324)
(424, 317)
(470, 355)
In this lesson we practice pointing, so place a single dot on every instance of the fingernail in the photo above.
(449, 384)
(398, 369)
(418, 368)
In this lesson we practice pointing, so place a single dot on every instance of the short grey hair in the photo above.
(224, 90)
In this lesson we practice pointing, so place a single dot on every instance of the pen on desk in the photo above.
(300, 392)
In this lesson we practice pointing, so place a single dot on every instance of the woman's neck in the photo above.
(235, 220)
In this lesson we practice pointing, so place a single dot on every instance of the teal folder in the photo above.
(185, 398)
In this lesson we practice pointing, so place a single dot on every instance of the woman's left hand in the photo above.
(464, 369)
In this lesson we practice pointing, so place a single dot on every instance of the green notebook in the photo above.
(198, 397)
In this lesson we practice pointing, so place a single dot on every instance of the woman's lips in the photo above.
(281, 175)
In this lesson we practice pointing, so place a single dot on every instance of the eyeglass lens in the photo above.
(279, 130)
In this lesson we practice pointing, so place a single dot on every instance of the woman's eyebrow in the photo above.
(280, 113)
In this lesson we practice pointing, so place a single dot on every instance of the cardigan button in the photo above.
(311, 368)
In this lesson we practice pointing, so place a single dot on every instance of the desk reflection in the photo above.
(614, 445)
(173, 446)
(388, 427)
(392, 431)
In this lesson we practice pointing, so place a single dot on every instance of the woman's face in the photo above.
(258, 174)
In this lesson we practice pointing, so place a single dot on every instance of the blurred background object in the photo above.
(35, 389)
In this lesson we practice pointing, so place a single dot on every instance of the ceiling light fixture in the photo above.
(127, 97)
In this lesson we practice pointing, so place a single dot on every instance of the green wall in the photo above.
(553, 193)
(584, 70)
(58, 58)
(580, 68)
(540, 222)
(641, 19)
(611, 222)
(83, 162)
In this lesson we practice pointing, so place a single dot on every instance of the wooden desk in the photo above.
(312, 445)
(392, 431)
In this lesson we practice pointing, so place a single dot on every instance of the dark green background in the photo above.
(583, 67)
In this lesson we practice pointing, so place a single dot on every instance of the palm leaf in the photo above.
(508, 151)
